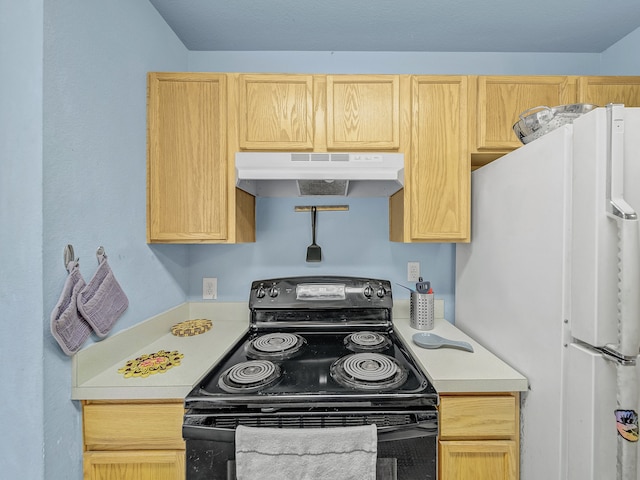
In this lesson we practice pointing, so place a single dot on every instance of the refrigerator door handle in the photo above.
(610, 353)
(628, 287)
(617, 206)
(628, 298)
(628, 238)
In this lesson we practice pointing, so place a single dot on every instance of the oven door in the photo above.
(407, 440)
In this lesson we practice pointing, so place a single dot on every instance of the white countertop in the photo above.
(95, 368)
(452, 370)
(96, 377)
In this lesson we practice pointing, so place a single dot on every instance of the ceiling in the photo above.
(572, 26)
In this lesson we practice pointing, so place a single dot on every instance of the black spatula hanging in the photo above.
(314, 252)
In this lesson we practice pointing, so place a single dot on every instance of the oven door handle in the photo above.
(426, 428)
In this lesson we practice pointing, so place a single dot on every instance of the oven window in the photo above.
(413, 458)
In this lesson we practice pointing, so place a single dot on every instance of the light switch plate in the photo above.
(413, 271)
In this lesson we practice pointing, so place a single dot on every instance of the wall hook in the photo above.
(68, 256)
(100, 254)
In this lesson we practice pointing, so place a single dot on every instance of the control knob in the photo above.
(368, 291)
(381, 292)
(261, 292)
(273, 291)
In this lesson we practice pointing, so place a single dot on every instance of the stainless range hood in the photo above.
(280, 174)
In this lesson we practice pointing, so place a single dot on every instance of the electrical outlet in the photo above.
(209, 288)
(413, 271)
(438, 308)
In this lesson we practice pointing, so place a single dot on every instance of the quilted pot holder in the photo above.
(102, 300)
(67, 326)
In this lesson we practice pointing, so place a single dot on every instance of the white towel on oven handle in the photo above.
(341, 453)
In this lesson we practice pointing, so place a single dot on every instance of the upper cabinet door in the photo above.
(439, 175)
(603, 90)
(186, 158)
(363, 112)
(501, 100)
(275, 112)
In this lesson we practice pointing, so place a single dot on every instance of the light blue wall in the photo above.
(434, 63)
(623, 58)
(353, 243)
(21, 299)
(72, 170)
(96, 56)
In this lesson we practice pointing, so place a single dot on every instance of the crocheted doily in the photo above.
(145, 365)
(190, 328)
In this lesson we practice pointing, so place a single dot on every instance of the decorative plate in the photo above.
(190, 328)
(145, 365)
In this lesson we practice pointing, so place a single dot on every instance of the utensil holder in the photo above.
(421, 311)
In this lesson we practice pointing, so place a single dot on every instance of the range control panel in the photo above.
(320, 292)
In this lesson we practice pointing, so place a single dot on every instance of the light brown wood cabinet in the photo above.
(133, 440)
(424, 117)
(479, 437)
(501, 100)
(191, 194)
(275, 112)
(142, 440)
(604, 90)
(318, 112)
(444, 125)
(197, 121)
(434, 204)
(363, 112)
(496, 103)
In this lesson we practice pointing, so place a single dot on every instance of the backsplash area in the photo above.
(354, 242)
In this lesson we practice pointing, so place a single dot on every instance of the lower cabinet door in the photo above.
(135, 465)
(478, 460)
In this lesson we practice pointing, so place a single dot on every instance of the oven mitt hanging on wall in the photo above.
(67, 325)
(102, 301)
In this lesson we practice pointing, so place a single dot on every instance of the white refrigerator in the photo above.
(550, 283)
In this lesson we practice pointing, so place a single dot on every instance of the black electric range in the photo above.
(320, 352)
(320, 340)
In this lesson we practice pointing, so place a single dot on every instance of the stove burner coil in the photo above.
(275, 342)
(275, 346)
(249, 376)
(368, 371)
(366, 342)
